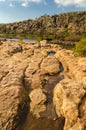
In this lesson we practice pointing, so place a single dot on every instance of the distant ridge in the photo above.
(72, 22)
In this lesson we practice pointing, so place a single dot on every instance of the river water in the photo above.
(24, 40)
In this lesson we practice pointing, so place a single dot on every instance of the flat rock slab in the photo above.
(51, 65)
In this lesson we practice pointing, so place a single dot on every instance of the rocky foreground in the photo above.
(49, 87)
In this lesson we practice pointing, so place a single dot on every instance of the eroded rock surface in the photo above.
(20, 73)
(27, 78)
(68, 98)
(13, 106)
(75, 65)
(38, 98)
(70, 94)
(51, 65)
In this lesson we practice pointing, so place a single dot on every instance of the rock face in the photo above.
(70, 94)
(28, 76)
(13, 106)
(70, 102)
(75, 65)
(74, 22)
(13, 97)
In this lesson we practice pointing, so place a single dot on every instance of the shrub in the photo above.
(20, 39)
(80, 48)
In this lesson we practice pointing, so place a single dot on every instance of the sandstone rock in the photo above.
(50, 65)
(69, 99)
(75, 65)
(38, 99)
(25, 69)
(13, 97)
(82, 64)
(1, 43)
(13, 106)
(43, 43)
(11, 48)
(15, 48)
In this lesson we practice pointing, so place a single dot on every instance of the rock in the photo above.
(13, 97)
(13, 106)
(36, 81)
(70, 102)
(38, 98)
(73, 22)
(2, 39)
(11, 48)
(43, 43)
(1, 43)
(75, 65)
(82, 64)
(15, 48)
(50, 65)
(26, 71)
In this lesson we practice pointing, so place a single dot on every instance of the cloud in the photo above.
(11, 5)
(25, 3)
(77, 3)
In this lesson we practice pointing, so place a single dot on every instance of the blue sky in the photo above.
(18, 10)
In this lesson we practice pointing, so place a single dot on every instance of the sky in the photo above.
(18, 10)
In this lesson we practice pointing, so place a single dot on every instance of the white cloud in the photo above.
(77, 3)
(11, 5)
(26, 2)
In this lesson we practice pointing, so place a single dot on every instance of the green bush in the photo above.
(20, 40)
(80, 48)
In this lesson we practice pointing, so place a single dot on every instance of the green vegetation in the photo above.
(74, 37)
(68, 46)
(66, 36)
(20, 39)
(80, 48)
(37, 37)
(65, 32)
(8, 35)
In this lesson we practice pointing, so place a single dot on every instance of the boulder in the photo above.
(43, 43)
(13, 106)
(76, 66)
(38, 98)
(50, 65)
(70, 102)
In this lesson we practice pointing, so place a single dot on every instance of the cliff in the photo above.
(74, 22)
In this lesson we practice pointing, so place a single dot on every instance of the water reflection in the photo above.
(13, 39)
(29, 40)
(24, 40)
(51, 53)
